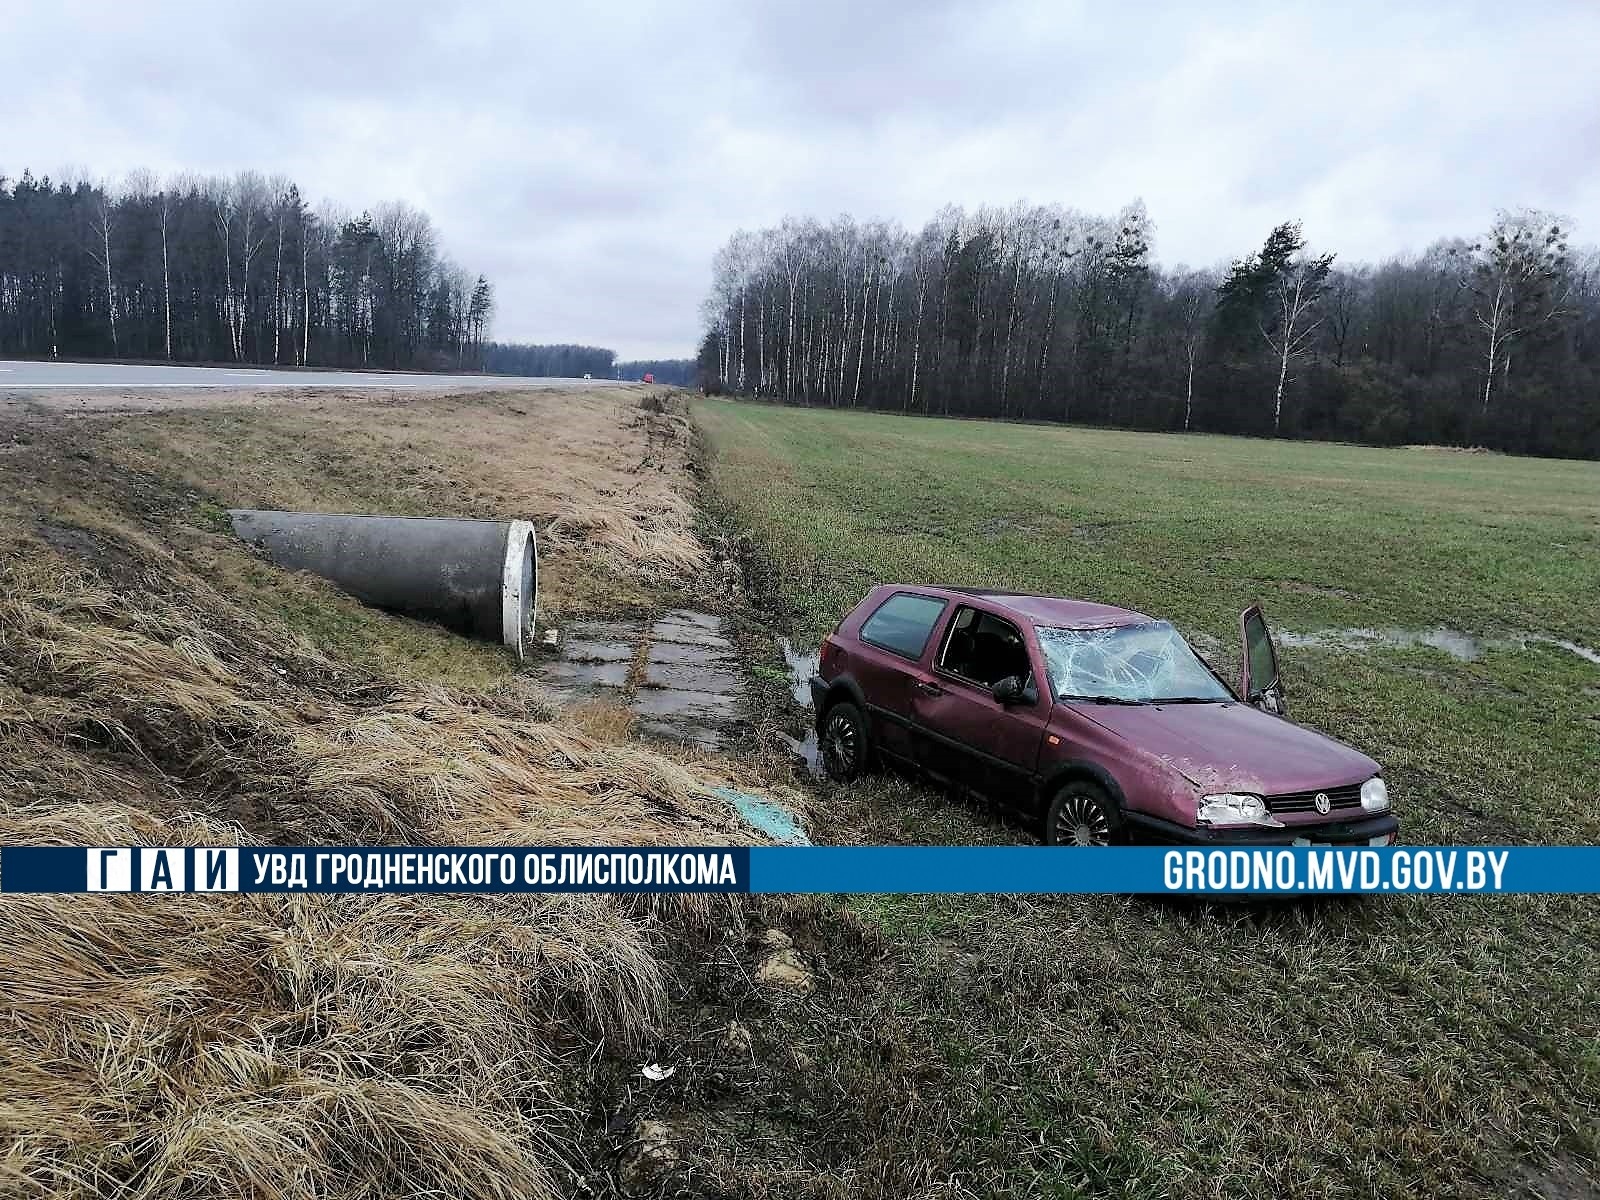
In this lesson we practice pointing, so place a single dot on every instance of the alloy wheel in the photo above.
(1081, 821)
(841, 745)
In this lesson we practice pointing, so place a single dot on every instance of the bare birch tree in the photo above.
(1519, 279)
(1282, 286)
(1193, 296)
(101, 216)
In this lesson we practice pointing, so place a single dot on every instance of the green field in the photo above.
(1113, 1046)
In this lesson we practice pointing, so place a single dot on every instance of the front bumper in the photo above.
(819, 693)
(1363, 831)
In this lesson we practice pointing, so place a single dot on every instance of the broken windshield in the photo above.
(1129, 663)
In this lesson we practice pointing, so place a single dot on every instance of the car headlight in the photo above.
(1375, 795)
(1233, 808)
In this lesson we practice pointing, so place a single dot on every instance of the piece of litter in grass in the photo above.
(552, 636)
(655, 1072)
(770, 817)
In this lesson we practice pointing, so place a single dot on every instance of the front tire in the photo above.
(1082, 815)
(845, 743)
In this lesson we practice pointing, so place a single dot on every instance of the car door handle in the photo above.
(929, 689)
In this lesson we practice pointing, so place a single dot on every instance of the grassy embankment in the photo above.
(161, 684)
(1110, 1046)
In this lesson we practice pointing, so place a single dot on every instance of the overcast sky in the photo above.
(590, 158)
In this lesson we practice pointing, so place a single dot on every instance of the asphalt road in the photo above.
(42, 376)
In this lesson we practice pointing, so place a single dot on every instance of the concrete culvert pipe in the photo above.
(480, 578)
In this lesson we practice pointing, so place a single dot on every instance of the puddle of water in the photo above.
(770, 817)
(1582, 652)
(1452, 641)
(802, 666)
(807, 752)
(1461, 646)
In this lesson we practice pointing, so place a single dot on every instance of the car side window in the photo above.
(902, 623)
(984, 648)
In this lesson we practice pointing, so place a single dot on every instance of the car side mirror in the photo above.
(1011, 690)
(1260, 682)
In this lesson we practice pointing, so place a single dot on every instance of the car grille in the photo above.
(1339, 798)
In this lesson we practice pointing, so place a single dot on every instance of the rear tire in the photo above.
(1082, 815)
(843, 739)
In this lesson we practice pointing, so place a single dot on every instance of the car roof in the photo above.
(1052, 610)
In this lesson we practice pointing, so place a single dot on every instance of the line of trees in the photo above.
(558, 361)
(228, 270)
(678, 372)
(1042, 312)
(572, 362)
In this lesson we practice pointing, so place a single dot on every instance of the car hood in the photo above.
(1234, 747)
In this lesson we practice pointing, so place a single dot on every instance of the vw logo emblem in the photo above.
(1322, 802)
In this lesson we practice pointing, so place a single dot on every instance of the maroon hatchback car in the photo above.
(1102, 721)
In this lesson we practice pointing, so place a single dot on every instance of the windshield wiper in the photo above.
(1191, 700)
(1103, 699)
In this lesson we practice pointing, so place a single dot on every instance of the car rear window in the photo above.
(902, 623)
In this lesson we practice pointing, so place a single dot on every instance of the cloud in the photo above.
(591, 159)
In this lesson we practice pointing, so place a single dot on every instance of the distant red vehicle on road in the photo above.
(1102, 721)
(649, 378)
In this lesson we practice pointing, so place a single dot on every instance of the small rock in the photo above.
(650, 1155)
(736, 1042)
(786, 969)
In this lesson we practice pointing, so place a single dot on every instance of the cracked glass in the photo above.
(1130, 663)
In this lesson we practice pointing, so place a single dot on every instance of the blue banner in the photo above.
(374, 868)
(1279, 870)
(1290, 870)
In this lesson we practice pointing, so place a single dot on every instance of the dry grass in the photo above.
(271, 1046)
(603, 477)
(171, 680)
(317, 1045)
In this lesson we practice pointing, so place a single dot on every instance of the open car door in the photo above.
(1259, 682)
